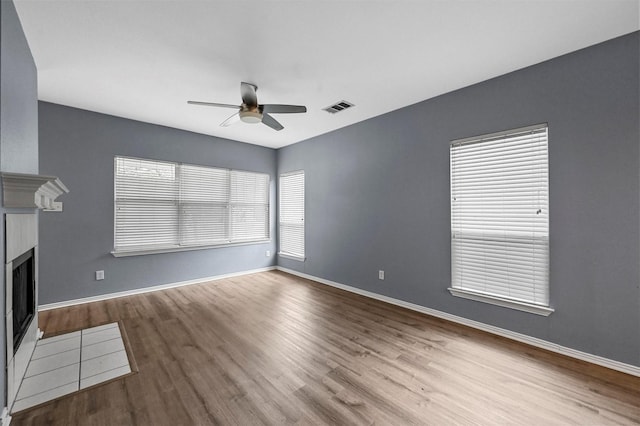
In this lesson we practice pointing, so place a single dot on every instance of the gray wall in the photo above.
(18, 93)
(18, 124)
(78, 146)
(377, 197)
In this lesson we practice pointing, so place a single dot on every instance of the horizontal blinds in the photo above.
(500, 216)
(163, 205)
(146, 208)
(292, 214)
(249, 205)
(204, 200)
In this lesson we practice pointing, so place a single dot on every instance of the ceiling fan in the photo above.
(251, 111)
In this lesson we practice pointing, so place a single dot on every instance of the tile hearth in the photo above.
(70, 362)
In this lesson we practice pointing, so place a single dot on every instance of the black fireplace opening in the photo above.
(24, 295)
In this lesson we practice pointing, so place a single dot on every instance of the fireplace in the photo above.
(24, 295)
(32, 193)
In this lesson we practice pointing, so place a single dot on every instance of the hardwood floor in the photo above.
(271, 348)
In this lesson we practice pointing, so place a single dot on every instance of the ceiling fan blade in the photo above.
(271, 122)
(213, 104)
(231, 120)
(248, 92)
(283, 109)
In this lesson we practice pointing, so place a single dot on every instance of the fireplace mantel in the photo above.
(32, 191)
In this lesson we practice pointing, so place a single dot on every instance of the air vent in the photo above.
(338, 106)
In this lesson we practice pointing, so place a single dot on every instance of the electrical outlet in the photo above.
(267, 253)
(99, 275)
(381, 274)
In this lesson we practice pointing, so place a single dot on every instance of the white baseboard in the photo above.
(6, 418)
(108, 296)
(533, 341)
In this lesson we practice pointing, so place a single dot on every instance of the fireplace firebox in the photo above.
(24, 289)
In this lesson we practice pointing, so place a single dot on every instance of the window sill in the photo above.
(292, 257)
(506, 303)
(142, 252)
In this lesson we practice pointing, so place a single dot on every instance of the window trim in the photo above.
(530, 307)
(145, 250)
(282, 254)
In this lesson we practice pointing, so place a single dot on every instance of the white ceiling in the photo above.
(144, 59)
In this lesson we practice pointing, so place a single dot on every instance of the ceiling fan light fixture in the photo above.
(251, 117)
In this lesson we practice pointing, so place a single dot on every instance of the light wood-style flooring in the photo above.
(271, 348)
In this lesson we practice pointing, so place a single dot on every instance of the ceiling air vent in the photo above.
(338, 106)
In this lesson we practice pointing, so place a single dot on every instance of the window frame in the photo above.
(180, 213)
(285, 254)
(530, 306)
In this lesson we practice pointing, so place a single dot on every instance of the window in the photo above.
(500, 219)
(164, 206)
(292, 215)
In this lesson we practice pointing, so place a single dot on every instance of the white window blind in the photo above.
(146, 195)
(162, 205)
(249, 205)
(292, 214)
(204, 204)
(500, 215)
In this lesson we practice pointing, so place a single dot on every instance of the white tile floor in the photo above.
(67, 363)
